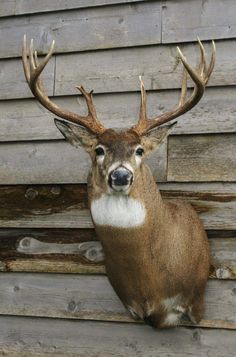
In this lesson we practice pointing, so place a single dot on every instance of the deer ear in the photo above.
(152, 140)
(77, 135)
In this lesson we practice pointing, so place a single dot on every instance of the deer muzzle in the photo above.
(120, 179)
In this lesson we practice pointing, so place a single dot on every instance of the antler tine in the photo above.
(40, 66)
(143, 104)
(89, 100)
(143, 121)
(191, 71)
(183, 87)
(31, 57)
(25, 60)
(200, 78)
(202, 64)
(33, 69)
(212, 62)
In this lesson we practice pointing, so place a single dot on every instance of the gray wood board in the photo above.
(23, 120)
(184, 20)
(21, 7)
(92, 297)
(202, 158)
(56, 162)
(13, 83)
(31, 337)
(117, 70)
(65, 206)
(193, 158)
(224, 250)
(181, 20)
(78, 251)
(85, 29)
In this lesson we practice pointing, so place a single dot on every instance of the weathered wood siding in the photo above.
(45, 225)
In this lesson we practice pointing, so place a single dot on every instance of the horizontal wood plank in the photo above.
(65, 206)
(119, 70)
(202, 158)
(38, 162)
(13, 83)
(84, 29)
(30, 337)
(185, 20)
(78, 251)
(23, 120)
(93, 298)
(193, 158)
(181, 20)
(22, 7)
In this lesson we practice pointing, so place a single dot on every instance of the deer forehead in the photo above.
(120, 143)
(111, 136)
(118, 211)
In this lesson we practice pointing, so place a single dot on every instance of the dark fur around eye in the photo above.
(139, 151)
(99, 151)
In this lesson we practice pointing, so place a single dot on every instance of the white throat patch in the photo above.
(118, 211)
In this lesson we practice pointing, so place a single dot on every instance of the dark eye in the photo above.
(99, 151)
(139, 151)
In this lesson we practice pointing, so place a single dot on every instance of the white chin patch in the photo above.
(124, 188)
(119, 211)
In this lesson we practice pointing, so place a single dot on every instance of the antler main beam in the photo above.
(200, 78)
(33, 70)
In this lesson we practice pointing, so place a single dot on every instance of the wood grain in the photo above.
(84, 29)
(30, 337)
(13, 83)
(77, 251)
(202, 158)
(21, 7)
(23, 120)
(38, 162)
(65, 206)
(92, 298)
(193, 158)
(184, 20)
(119, 70)
(181, 20)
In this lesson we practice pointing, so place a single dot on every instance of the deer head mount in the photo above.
(157, 253)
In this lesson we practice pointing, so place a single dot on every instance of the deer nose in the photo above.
(120, 177)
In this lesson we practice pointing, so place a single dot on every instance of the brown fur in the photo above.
(168, 255)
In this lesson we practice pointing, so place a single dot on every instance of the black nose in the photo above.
(120, 177)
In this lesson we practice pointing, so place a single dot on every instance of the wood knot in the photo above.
(223, 273)
(56, 190)
(72, 306)
(31, 194)
(25, 242)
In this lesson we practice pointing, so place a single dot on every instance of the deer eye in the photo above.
(139, 151)
(99, 151)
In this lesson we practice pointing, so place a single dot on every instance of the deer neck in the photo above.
(117, 212)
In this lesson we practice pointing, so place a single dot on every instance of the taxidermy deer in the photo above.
(157, 253)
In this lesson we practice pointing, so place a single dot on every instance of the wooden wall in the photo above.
(45, 226)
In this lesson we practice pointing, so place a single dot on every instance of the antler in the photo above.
(33, 70)
(200, 77)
